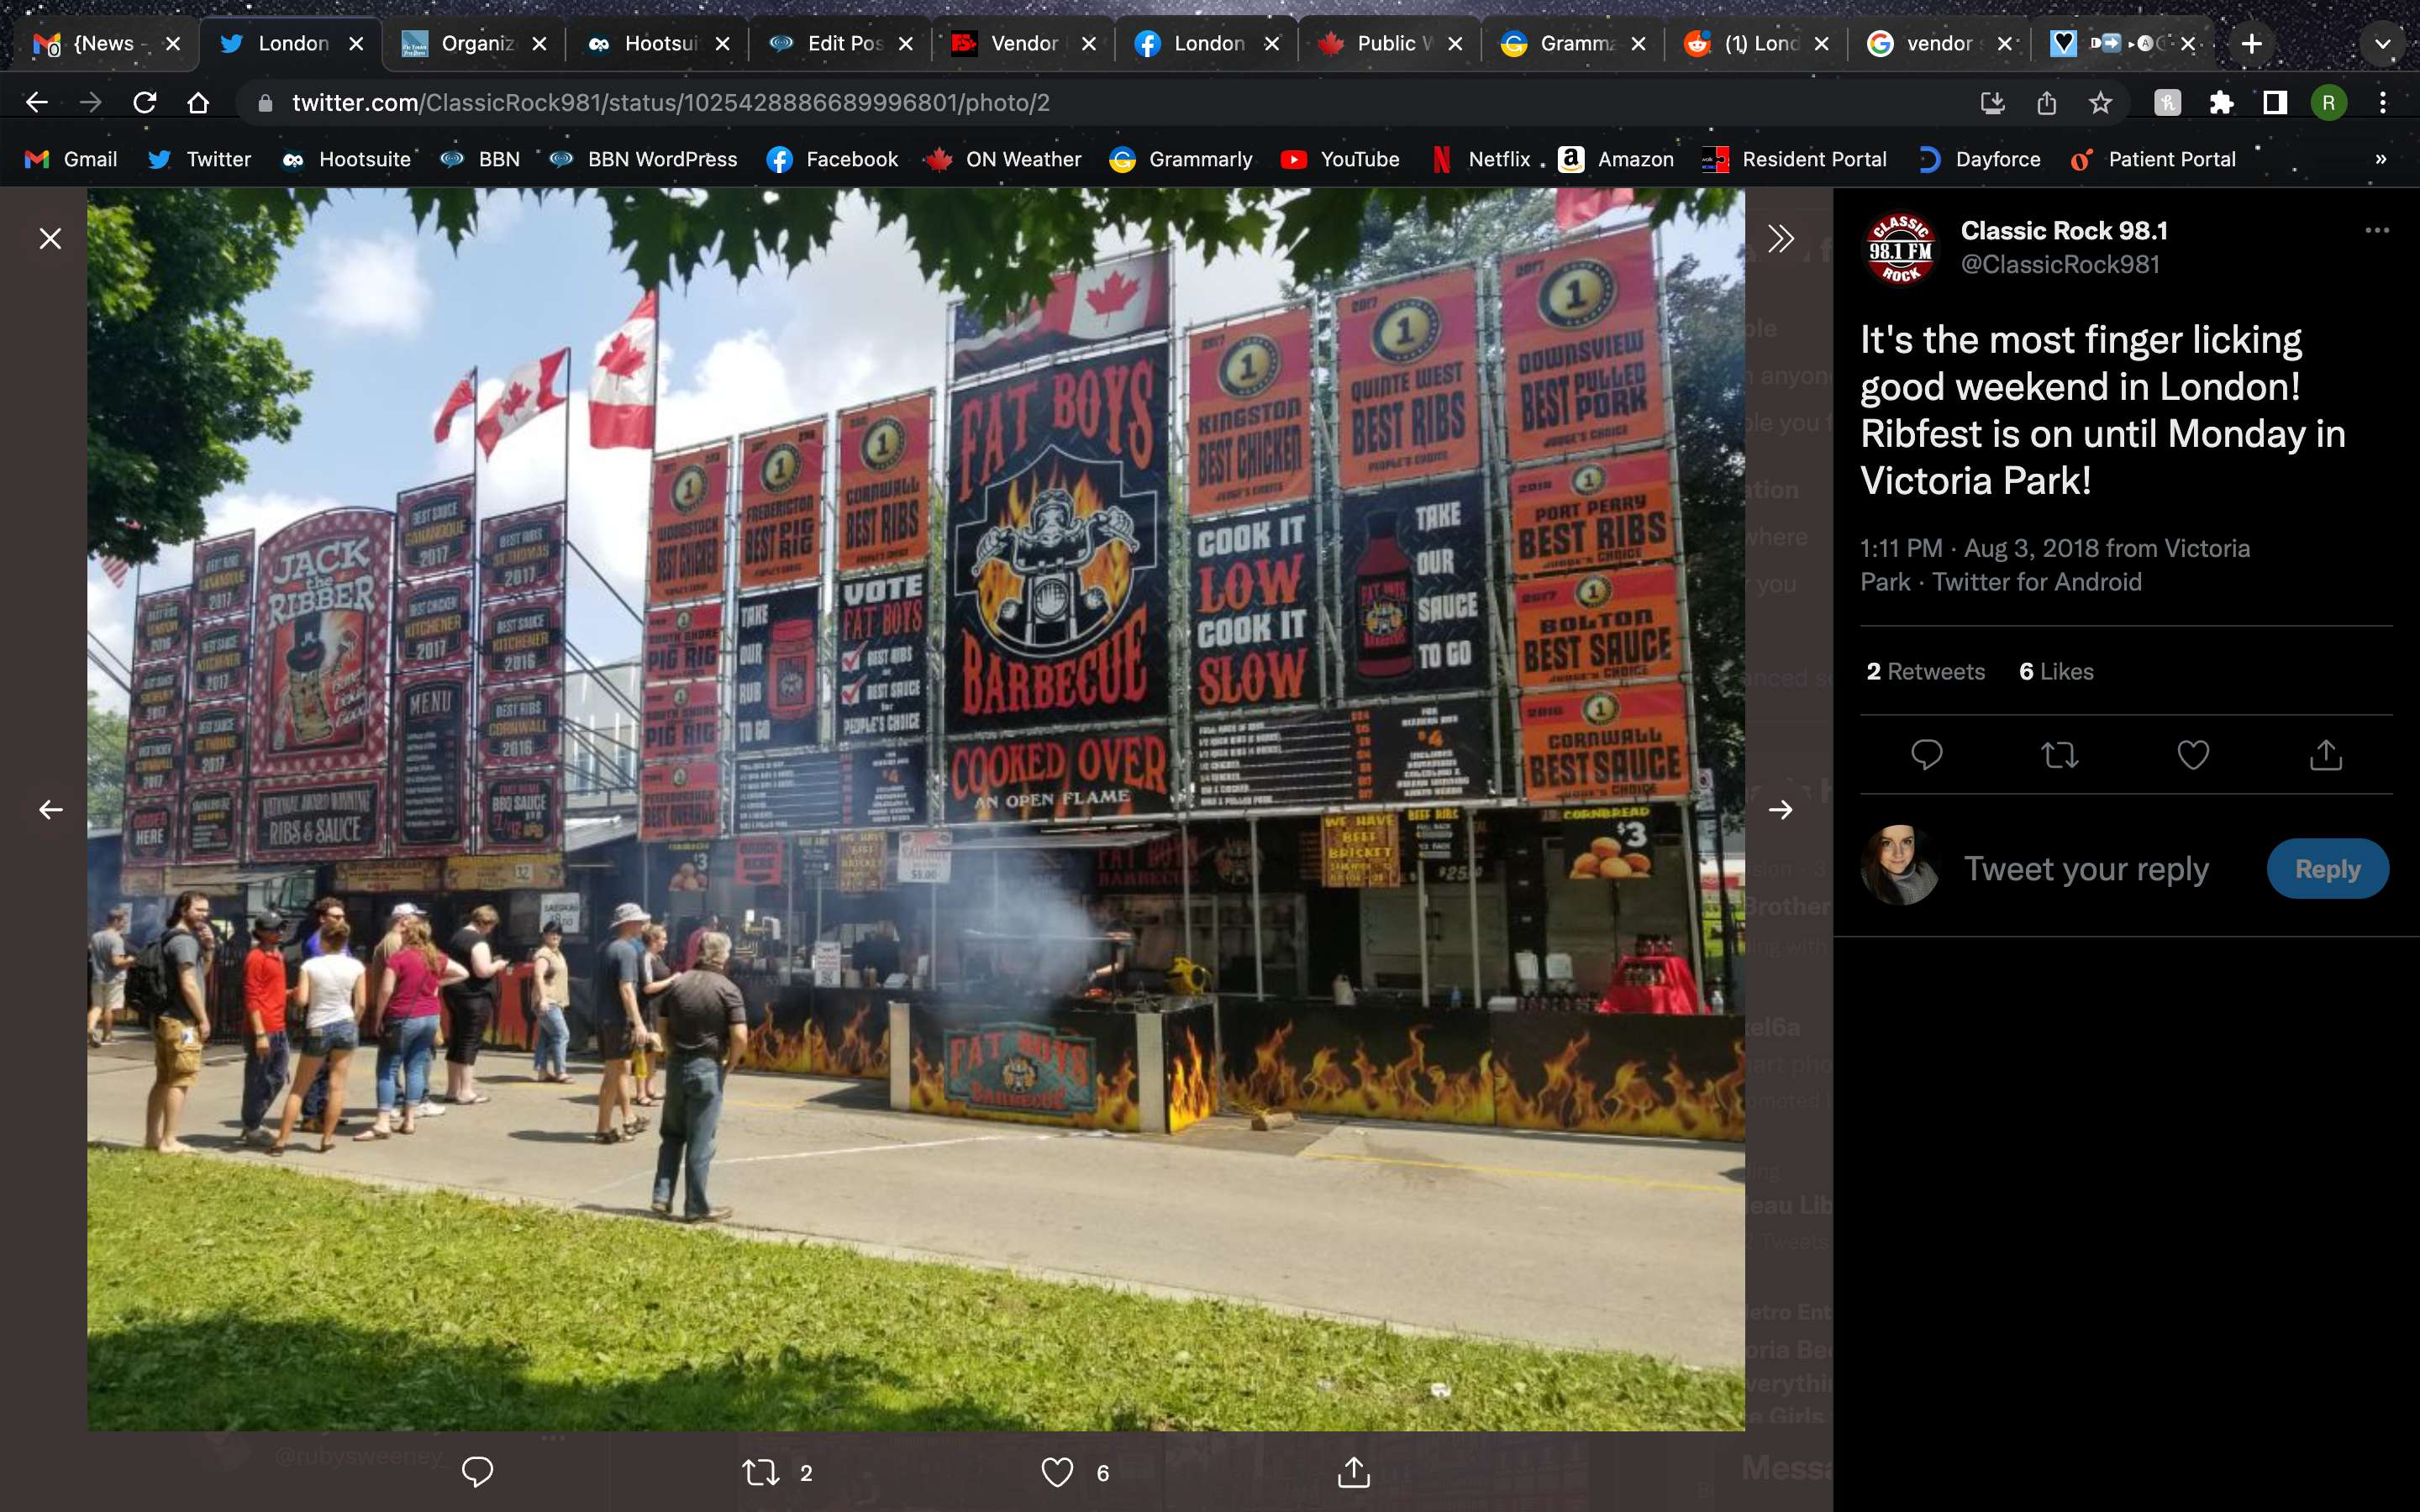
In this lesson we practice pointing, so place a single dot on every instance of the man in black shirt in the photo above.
(704, 1028)
(183, 1026)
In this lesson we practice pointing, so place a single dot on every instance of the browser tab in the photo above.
(1228, 44)
(279, 44)
(1918, 43)
(108, 44)
(1558, 42)
(657, 44)
(853, 42)
(1008, 44)
(1359, 44)
(448, 42)
(2090, 42)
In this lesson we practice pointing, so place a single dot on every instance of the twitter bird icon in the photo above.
(232, 43)
(160, 160)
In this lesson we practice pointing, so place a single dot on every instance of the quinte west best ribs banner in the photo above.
(435, 528)
(773, 694)
(1085, 775)
(782, 505)
(522, 552)
(1056, 580)
(886, 474)
(223, 577)
(432, 723)
(1415, 583)
(1592, 628)
(1407, 376)
(161, 621)
(1611, 743)
(880, 676)
(319, 673)
(1249, 413)
(1115, 300)
(685, 524)
(1255, 597)
(1583, 365)
(1605, 512)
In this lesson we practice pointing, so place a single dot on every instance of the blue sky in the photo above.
(386, 317)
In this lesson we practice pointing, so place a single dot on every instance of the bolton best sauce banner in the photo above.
(782, 505)
(1057, 577)
(1247, 411)
(1255, 622)
(886, 474)
(685, 524)
(1596, 626)
(1583, 366)
(1407, 360)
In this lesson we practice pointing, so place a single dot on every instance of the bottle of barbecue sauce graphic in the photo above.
(1382, 597)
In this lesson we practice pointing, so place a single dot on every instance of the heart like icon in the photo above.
(1058, 1471)
(2193, 753)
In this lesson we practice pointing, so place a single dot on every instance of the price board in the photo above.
(1400, 753)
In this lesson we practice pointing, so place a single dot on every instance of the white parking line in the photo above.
(819, 1154)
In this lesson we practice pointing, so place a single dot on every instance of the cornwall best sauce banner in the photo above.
(1609, 743)
(1595, 627)
(1057, 516)
(685, 524)
(782, 505)
(1583, 362)
(320, 676)
(1407, 375)
(1249, 413)
(886, 476)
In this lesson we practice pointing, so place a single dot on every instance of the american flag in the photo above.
(117, 571)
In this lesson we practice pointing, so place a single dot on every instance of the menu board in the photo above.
(1361, 850)
(522, 640)
(1583, 368)
(1611, 743)
(214, 738)
(1440, 844)
(885, 474)
(1415, 590)
(685, 524)
(787, 790)
(684, 642)
(1596, 626)
(773, 692)
(880, 673)
(1091, 775)
(1255, 625)
(432, 723)
(680, 800)
(861, 858)
(223, 577)
(432, 625)
(521, 552)
(814, 855)
(1249, 412)
(782, 505)
(521, 809)
(213, 817)
(222, 660)
(521, 725)
(1406, 753)
(885, 787)
(682, 719)
(1605, 512)
(433, 527)
(1407, 379)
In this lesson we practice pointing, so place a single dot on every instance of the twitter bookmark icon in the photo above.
(161, 159)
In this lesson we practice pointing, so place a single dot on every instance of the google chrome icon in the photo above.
(1122, 159)
(1513, 43)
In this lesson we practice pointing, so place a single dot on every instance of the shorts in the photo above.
(108, 996)
(176, 1050)
(466, 1025)
(328, 1039)
(613, 1039)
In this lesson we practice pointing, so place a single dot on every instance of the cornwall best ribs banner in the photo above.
(1407, 379)
(1247, 411)
(1056, 567)
(522, 552)
(1583, 362)
(1121, 298)
(685, 524)
(435, 529)
(223, 577)
(1255, 621)
(319, 673)
(886, 479)
(782, 505)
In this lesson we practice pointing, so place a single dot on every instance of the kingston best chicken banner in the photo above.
(1247, 412)
(1055, 561)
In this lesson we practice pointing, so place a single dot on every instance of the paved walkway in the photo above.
(1562, 1240)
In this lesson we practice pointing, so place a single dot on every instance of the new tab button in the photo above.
(2328, 869)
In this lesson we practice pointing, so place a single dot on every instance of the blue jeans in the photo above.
(692, 1107)
(553, 1035)
(413, 1041)
(264, 1079)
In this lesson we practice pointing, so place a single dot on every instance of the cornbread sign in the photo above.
(1583, 366)
(685, 524)
(1599, 625)
(1605, 512)
(1609, 743)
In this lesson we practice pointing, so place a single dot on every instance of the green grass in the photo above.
(228, 1298)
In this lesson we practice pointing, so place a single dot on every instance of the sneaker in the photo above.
(255, 1136)
(428, 1110)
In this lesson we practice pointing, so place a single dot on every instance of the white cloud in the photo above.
(371, 284)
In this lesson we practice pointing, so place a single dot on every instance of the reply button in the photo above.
(2328, 869)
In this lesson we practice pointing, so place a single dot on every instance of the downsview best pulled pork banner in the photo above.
(1583, 366)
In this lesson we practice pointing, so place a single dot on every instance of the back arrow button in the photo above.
(35, 102)
(48, 809)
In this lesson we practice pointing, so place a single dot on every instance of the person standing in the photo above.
(403, 1020)
(706, 1030)
(264, 1012)
(181, 1028)
(106, 994)
(333, 997)
(643, 1062)
(554, 997)
(621, 974)
(470, 1004)
(327, 911)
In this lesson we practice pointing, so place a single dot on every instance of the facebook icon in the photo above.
(779, 159)
(1146, 44)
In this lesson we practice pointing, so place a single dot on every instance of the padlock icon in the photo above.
(2047, 104)
(267, 105)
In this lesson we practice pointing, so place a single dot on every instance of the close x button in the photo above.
(2328, 869)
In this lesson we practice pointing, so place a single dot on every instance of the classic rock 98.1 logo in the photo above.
(1899, 248)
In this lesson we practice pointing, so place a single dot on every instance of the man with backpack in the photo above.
(167, 983)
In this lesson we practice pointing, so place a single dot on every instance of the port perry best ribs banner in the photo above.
(1406, 359)
(1255, 586)
(1057, 506)
(1583, 364)
(319, 678)
(434, 526)
(782, 505)
(1605, 512)
(1249, 413)
(685, 524)
(885, 477)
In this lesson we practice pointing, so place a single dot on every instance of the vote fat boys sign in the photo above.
(1058, 591)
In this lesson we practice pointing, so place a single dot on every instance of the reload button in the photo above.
(2328, 869)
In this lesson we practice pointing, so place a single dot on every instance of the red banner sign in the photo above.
(682, 719)
(1583, 364)
(685, 524)
(1612, 743)
(680, 800)
(684, 642)
(1407, 372)
(886, 478)
(1249, 411)
(1596, 626)
(1605, 512)
(782, 505)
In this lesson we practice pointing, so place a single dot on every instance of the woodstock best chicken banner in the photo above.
(1407, 375)
(685, 524)
(782, 505)
(886, 474)
(1056, 576)
(1583, 364)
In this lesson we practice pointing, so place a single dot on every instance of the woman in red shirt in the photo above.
(405, 1026)
(264, 1010)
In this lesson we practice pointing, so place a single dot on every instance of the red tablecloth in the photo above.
(1678, 993)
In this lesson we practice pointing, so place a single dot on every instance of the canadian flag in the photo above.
(1118, 299)
(1576, 207)
(465, 395)
(622, 389)
(529, 393)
